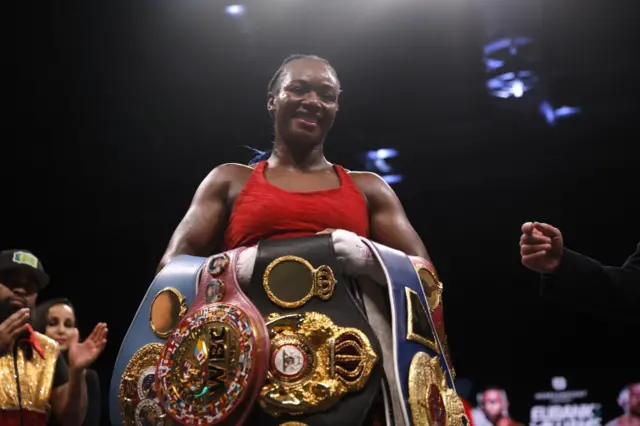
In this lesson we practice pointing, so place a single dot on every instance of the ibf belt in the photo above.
(133, 397)
(325, 365)
(424, 377)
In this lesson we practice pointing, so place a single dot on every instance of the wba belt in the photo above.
(423, 375)
(325, 365)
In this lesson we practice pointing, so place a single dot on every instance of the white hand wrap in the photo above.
(356, 257)
(244, 265)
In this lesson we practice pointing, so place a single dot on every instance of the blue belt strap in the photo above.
(401, 274)
(182, 274)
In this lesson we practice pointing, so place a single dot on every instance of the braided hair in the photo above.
(275, 80)
(274, 87)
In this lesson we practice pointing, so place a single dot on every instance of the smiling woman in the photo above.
(302, 76)
(294, 191)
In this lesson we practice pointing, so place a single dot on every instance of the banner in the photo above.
(563, 406)
(560, 403)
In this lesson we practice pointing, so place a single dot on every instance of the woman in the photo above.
(296, 191)
(56, 319)
(293, 191)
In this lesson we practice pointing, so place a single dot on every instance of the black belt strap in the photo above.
(341, 307)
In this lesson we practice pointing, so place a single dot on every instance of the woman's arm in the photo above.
(388, 221)
(204, 222)
(69, 400)
(93, 399)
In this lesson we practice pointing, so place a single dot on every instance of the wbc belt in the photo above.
(423, 373)
(211, 366)
(325, 365)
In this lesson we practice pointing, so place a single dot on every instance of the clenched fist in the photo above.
(541, 247)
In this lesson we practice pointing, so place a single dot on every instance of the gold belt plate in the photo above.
(313, 364)
(432, 402)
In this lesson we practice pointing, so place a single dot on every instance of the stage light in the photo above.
(551, 114)
(235, 10)
(385, 153)
(511, 84)
(376, 161)
(517, 88)
(498, 53)
(566, 111)
(391, 179)
(504, 59)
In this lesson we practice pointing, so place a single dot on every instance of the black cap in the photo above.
(25, 260)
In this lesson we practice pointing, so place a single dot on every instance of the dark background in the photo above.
(121, 108)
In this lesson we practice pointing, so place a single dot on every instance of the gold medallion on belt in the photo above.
(138, 392)
(432, 402)
(309, 282)
(314, 363)
(205, 366)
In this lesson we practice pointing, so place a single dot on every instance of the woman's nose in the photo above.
(311, 97)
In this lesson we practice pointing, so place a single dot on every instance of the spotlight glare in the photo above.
(235, 10)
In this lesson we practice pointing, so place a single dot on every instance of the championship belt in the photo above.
(432, 288)
(325, 365)
(424, 377)
(316, 361)
(211, 366)
(133, 398)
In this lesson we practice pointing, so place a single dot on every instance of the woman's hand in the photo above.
(82, 355)
(356, 257)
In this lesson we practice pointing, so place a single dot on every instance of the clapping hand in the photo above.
(82, 355)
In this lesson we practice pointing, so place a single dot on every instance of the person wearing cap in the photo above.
(36, 380)
(572, 277)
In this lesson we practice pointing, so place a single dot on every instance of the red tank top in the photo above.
(263, 211)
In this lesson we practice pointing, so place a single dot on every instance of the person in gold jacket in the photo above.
(36, 380)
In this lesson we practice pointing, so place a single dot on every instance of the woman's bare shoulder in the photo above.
(229, 172)
(367, 181)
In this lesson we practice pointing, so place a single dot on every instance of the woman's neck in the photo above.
(298, 157)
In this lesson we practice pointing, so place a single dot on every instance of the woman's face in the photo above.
(306, 103)
(60, 324)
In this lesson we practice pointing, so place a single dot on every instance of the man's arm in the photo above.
(203, 224)
(69, 395)
(610, 290)
(388, 221)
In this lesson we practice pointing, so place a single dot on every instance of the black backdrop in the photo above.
(121, 108)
